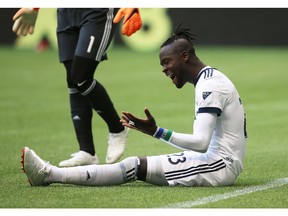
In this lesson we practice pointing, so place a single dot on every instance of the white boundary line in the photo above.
(210, 199)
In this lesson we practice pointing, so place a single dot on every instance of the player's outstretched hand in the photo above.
(132, 20)
(24, 21)
(147, 125)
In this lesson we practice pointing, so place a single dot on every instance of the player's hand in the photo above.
(132, 20)
(147, 125)
(24, 21)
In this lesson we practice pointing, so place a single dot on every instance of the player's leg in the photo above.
(189, 169)
(81, 114)
(94, 92)
(95, 175)
(94, 39)
(81, 110)
(172, 170)
(151, 171)
(41, 173)
(132, 168)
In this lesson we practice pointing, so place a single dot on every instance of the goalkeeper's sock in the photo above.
(81, 114)
(102, 104)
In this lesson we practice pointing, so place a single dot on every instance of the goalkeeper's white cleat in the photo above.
(80, 158)
(116, 145)
(35, 168)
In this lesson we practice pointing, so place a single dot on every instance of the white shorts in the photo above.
(189, 168)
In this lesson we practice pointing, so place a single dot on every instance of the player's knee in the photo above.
(155, 172)
(129, 168)
(68, 67)
(82, 71)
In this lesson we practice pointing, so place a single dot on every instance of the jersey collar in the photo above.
(200, 73)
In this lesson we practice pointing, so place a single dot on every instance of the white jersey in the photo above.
(215, 93)
(215, 151)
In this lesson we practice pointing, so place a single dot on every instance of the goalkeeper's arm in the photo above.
(24, 21)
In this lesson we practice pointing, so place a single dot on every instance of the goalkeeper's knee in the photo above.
(82, 73)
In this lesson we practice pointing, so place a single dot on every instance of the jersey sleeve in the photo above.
(198, 141)
(211, 97)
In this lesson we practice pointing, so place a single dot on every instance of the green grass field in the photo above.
(34, 112)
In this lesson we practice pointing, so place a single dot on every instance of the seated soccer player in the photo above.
(212, 155)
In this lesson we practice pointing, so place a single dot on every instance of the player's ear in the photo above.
(185, 55)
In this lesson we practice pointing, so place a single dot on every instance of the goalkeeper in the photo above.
(83, 38)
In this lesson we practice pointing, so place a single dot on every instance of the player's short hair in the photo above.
(182, 33)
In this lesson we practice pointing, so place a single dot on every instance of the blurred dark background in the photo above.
(229, 26)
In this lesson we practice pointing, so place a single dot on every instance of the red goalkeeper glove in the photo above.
(24, 21)
(132, 20)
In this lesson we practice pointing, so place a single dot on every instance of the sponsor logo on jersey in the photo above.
(205, 94)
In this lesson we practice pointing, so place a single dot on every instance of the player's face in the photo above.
(171, 61)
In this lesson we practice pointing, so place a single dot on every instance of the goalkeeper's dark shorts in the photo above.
(85, 32)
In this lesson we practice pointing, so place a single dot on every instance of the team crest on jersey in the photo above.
(205, 94)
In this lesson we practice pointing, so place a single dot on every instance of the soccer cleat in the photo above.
(80, 158)
(116, 145)
(35, 168)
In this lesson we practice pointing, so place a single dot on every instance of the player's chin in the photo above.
(179, 85)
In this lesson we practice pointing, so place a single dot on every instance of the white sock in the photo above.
(95, 175)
